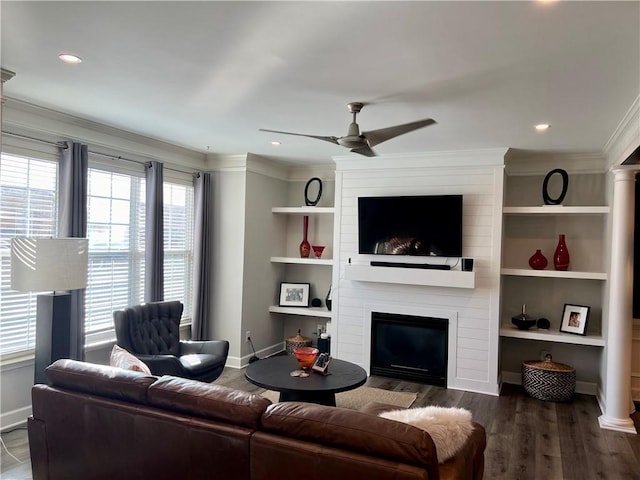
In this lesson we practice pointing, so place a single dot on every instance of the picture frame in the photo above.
(294, 294)
(575, 319)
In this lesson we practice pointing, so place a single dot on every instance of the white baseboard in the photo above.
(586, 388)
(14, 418)
(241, 362)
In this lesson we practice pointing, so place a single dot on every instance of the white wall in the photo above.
(478, 177)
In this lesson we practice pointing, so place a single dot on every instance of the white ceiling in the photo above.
(207, 75)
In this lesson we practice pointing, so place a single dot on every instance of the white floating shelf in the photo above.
(303, 261)
(552, 336)
(556, 210)
(308, 312)
(525, 272)
(303, 210)
(410, 276)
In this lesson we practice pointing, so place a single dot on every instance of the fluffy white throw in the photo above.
(448, 427)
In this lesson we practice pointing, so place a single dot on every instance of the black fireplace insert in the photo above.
(409, 347)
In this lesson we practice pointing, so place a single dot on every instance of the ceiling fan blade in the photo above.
(317, 137)
(366, 151)
(375, 137)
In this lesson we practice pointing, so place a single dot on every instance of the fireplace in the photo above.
(409, 347)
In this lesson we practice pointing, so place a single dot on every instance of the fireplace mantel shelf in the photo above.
(410, 276)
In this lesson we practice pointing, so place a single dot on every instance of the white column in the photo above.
(620, 315)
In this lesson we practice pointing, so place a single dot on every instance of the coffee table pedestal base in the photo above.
(321, 398)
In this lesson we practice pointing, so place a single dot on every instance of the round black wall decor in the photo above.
(545, 186)
(307, 201)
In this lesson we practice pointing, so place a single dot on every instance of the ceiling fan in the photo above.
(362, 143)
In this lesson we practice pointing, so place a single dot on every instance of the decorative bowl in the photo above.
(317, 250)
(523, 323)
(306, 356)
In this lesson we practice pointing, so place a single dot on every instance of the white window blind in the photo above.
(115, 229)
(178, 245)
(28, 208)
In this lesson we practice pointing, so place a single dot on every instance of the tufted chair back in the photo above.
(150, 328)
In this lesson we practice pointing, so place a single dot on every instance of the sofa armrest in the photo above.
(36, 430)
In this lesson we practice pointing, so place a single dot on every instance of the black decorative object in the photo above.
(522, 320)
(307, 201)
(316, 302)
(327, 300)
(545, 186)
(544, 323)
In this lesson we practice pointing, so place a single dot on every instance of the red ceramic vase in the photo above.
(538, 261)
(561, 256)
(305, 246)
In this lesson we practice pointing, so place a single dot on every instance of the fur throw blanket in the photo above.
(448, 427)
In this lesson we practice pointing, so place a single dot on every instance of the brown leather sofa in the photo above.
(98, 422)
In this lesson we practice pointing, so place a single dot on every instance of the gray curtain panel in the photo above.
(201, 254)
(154, 234)
(72, 222)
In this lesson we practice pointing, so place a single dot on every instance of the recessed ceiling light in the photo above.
(70, 58)
(541, 127)
(275, 143)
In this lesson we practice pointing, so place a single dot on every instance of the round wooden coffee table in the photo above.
(274, 374)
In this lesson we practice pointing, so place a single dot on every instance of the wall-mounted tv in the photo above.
(424, 225)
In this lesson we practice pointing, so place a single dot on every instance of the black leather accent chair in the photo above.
(151, 332)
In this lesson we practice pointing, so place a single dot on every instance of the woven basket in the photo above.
(297, 341)
(549, 381)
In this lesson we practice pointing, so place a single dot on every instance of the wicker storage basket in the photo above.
(296, 341)
(549, 381)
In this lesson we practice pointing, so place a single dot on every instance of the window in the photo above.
(116, 231)
(115, 228)
(178, 245)
(28, 208)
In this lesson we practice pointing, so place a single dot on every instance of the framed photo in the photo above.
(574, 319)
(294, 294)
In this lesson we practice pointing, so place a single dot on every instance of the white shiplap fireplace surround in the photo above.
(470, 301)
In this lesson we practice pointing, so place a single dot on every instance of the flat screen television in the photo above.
(424, 225)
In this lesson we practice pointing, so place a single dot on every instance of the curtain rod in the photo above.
(117, 157)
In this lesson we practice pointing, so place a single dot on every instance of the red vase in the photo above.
(538, 261)
(305, 246)
(561, 256)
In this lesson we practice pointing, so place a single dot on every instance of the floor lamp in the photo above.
(50, 264)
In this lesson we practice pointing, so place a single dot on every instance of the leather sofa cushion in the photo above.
(352, 430)
(111, 382)
(205, 400)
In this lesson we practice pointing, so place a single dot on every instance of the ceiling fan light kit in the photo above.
(362, 143)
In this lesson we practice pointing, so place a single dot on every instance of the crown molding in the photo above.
(44, 122)
(6, 74)
(626, 137)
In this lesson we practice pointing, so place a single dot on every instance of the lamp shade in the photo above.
(42, 264)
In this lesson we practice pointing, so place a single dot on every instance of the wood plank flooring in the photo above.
(526, 438)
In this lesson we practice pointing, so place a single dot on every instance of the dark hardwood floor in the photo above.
(526, 438)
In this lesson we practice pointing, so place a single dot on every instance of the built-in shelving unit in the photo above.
(410, 276)
(291, 262)
(529, 226)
